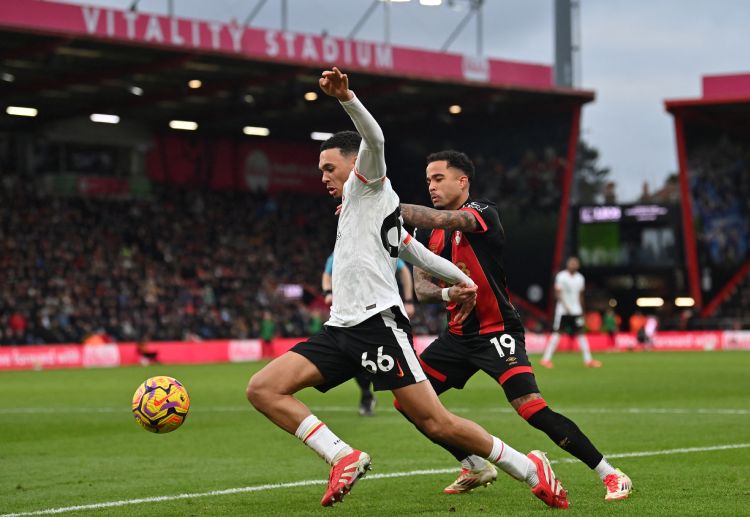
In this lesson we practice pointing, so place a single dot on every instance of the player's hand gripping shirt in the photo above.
(369, 237)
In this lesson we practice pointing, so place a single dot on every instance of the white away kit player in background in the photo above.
(368, 329)
(569, 287)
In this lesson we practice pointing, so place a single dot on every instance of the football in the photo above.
(160, 404)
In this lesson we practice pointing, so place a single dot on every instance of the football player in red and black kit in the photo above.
(469, 233)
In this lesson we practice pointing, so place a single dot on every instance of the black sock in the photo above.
(566, 434)
(363, 381)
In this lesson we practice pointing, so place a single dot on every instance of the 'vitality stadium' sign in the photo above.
(139, 28)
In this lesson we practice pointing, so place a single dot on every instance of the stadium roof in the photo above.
(725, 98)
(69, 61)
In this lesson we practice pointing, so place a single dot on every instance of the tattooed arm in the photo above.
(423, 217)
(429, 292)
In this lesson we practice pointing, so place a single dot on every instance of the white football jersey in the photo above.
(571, 287)
(364, 279)
(370, 238)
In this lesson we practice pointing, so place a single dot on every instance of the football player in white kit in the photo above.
(367, 329)
(569, 287)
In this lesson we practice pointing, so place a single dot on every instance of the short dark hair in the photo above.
(346, 141)
(455, 159)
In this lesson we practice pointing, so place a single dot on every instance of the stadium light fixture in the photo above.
(195, 83)
(104, 118)
(7, 77)
(256, 131)
(136, 90)
(320, 136)
(21, 111)
(684, 301)
(311, 96)
(649, 301)
(248, 98)
(455, 109)
(186, 125)
(431, 3)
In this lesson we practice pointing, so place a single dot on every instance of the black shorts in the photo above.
(569, 324)
(451, 360)
(381, 345)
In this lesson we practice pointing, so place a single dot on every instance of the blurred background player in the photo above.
(569, 287)
(492, 337)
(367, 400)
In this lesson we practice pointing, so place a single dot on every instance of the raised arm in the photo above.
(424, 217)
(370, 163)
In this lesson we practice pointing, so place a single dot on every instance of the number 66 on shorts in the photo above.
(383, 362)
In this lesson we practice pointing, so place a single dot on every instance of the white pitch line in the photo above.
(258, 488)
(351, 409)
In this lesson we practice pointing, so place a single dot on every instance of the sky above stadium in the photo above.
(634, 54)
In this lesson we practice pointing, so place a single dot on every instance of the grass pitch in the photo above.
(677, 423)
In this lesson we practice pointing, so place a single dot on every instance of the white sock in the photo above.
(316, 435)
(551, 347)
(604, 469)
(513, 462)
(585, 350)
(473, 463)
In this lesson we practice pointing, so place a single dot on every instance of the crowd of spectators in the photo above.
(719, 175)
(181, 265)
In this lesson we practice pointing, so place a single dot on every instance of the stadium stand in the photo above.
(137, 230)
(183, 265)
(713, 147)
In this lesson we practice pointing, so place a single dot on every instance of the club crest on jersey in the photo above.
(457, 237)
(462, 266)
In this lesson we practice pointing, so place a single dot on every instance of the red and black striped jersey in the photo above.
(479, 254)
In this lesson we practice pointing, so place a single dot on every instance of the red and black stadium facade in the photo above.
(713, 150)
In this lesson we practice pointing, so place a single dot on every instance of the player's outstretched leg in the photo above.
(568, 436)
(475, 470)
(423, 408)
(269, 392)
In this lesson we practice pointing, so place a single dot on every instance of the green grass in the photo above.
(68, 438)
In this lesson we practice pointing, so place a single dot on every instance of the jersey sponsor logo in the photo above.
(476, 206)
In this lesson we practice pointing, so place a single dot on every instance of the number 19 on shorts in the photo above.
(505, 341)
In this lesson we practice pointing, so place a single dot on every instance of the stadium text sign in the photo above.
(138, 28)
